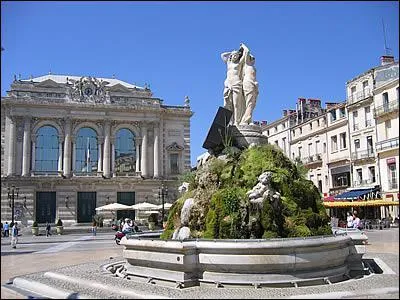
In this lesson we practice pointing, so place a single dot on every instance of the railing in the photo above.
(365, 93)
(368, 123)
(362, 154)
(386, 108)
(355, 127)
(365, 182)
(387, 144)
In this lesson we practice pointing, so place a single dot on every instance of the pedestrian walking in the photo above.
(6, 229)
(94, 228)
(48, 229)
(1, 229)
(14, 235)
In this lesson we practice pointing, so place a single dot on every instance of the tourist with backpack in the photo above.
(14, 235)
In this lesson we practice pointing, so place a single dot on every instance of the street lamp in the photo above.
(12, 193)
(162, 193)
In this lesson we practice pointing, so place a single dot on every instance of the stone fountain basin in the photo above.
(288, 261)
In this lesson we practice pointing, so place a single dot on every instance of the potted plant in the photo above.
(152, 221)
(59, 226)
(35, 228)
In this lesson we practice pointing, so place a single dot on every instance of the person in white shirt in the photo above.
(356, 220)
(349, 220)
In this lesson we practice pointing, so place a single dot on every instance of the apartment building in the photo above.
(386, 117)
(351, 148)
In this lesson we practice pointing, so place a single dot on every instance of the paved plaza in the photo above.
(62, 265)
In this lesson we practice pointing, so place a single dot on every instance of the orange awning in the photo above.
(379, 202)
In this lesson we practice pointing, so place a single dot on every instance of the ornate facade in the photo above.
(71, 144)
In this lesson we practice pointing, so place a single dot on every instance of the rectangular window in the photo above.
(276, 129)
(342, 112)
(385, 99)
(318, 122)
(370, 147)
(365, 84)
(284, 144)
(355, 120)
(388, 125)
(359, 175)
(300, 152)
(392, 176)
(174, 166)
(276, 143)
(340, 180)
(333, 115)
(371, 171)
(309, 150)
(343, 140)
(324, 147)
(368, 119)
(334, 143)
(357, 144)
(317, 147)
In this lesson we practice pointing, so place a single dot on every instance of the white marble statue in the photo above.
(233, 90)
(241, 86)
(250, 86)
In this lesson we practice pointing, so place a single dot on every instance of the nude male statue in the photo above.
(233, 90)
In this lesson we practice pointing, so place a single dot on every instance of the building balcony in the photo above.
(361, 95)
(316, 158)
(387, 144)
(392, 106)
(355, 127)
(364, 183)
(368, 123)
(362, 155)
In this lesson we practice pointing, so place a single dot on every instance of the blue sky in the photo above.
(302, 49)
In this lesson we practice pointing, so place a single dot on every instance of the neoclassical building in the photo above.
(70, 144)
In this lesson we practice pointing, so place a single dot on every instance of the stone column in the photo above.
(11, 147)
(60, 154)
(26, 150)
(113, 156)
(67, 148)
(137, 142)
(33, 138)
(73, 140)
(106, 156)
(156, 151)
(99, 149)
(144, 151)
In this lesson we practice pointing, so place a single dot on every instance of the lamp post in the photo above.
(12, 193)
(162, 193)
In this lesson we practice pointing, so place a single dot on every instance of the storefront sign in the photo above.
(391, 160)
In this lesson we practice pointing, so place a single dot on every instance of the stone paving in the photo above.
(81, 271)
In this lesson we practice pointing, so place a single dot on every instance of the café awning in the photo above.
(364, 194)
(360, 203)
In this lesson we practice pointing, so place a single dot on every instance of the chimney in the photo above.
(387, 59)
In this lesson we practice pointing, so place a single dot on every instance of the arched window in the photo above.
(46, 150)
(86, 151)
(125, 152)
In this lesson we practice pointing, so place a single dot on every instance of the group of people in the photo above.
(353, 221)
(241, 86)
(6, 232)
(126, 225)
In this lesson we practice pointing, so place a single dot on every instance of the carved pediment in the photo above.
(174, 147)
(48, 84)
(119, 88)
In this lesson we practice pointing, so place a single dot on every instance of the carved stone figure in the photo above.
(233, 90)
(250, 86)
(241, 87)
(88, 89)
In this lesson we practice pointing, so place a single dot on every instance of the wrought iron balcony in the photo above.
(362, 154)
(365, 93)
(387, 108)
(387, 144)
(365, 182)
